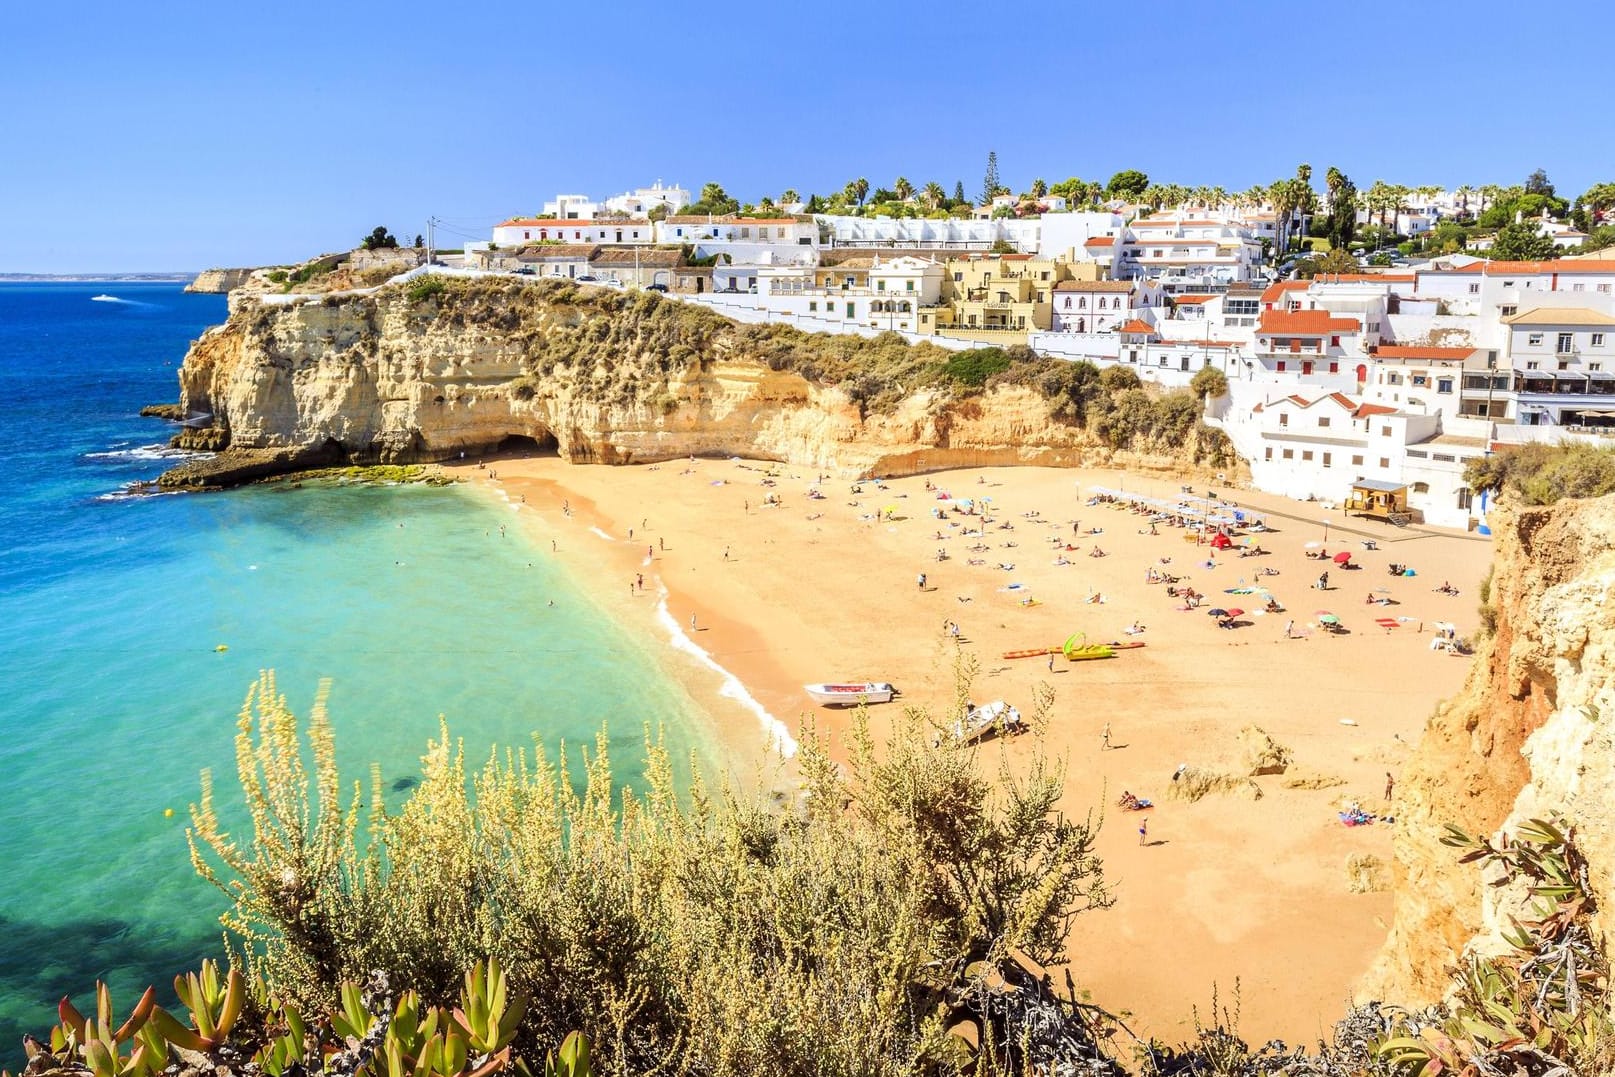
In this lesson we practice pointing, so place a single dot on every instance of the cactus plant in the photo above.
(279, 1054)
(98, 1044)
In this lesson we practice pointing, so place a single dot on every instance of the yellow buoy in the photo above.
(168, 813)
(221, 648)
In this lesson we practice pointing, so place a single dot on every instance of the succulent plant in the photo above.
(99, 1044)
(278, 1055)
(487, 1016)
(215, 1007)
(572, 1060)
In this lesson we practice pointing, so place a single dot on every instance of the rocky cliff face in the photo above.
(1529, 736)
(219, 281)
(416, 373)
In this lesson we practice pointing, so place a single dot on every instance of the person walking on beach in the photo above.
(920, 579)
(1289, 627)
(692, 622)
(1104, 734)
(726, 553)
(650, 554)
(1143, 831)
(639, 579)
(1051, 661)
(1390, 785)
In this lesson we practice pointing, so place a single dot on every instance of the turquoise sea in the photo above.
(113, 694)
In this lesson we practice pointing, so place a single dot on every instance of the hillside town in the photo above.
(1372, 343)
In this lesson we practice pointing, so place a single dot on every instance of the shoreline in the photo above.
(824, 589)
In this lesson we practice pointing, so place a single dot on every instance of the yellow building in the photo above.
(1006, 292)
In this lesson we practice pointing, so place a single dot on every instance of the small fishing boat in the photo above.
(976, 721)
(1090, 651)
(831, 695)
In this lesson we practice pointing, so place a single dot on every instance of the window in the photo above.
(1082, 304)
(1357, 461)
(1474, 289)
(1323, 420)
(880, 286)
(1328, 459)
(1508, 311)
(1289, 454)
(1284, 419)
(1508, 284)
(1532, 365)
(1442, 457)
(1566, 342)
(1578, 287)
(1534, 340)
(852, 310)
(1067, 302)
(1306, 454)
(1598, 340)
(1334, 368)
(1604, 288)
(1281, 366)
(1269, 455)
(813, 304)
(1384, 462)
(1421, 487)
(908, 286)
(957, 276)
(1444, 385)
(1464, 497)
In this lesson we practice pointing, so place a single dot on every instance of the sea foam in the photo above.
(779, 737)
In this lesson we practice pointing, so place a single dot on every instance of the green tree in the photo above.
(989, 182)
(1129, 184)
(790, 197)
(1537, 183)
(903, 189)
(958, 192)
(1523, 242)
(1039, 188)
(378, 238)
(419, 242)
(858, 190)
(1342, 221)
(1337, 260)
(933, 196)
(1209, 382)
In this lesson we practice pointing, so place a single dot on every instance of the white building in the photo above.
(1563, 362)
(521, 231)
(1499, 289)
(1095, 306)
(1189, 255)
(710, 233)
(572, 207)
(641, 200)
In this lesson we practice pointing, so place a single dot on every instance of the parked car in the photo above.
(587, 279)
(526, 271)
(613, 282)
(656, 287)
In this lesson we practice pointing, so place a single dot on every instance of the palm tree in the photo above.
(1039, 188)
(1282, 194)
(903, 189)
(934, 195)
(1462, 194)
(1218, 197)
(858, 190)
(790, 196)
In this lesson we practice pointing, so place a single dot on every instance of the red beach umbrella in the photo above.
(1342, 557)
(1236, 613)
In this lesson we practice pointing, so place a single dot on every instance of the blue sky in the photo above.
(181, 136)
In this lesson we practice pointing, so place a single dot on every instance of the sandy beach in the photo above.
(828, 589)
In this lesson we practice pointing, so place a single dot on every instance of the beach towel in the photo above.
(1386, 623)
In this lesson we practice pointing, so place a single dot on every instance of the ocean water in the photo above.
(114, 692)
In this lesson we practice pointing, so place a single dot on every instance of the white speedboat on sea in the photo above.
(830, 695)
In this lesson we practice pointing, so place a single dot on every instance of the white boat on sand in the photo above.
(977, 721)
(830, 695)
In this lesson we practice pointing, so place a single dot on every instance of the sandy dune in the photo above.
(1228, 887)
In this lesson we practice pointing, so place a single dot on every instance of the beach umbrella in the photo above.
(1313, 545)
(1328, 618)
(1217, 613)
(1342, 557)
(1236, 612)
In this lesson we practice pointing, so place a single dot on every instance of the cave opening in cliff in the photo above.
(522, 445)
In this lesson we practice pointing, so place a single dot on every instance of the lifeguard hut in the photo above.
(1379, 500)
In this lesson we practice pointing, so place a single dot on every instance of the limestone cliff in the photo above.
(219, 281)
(1530, 735)
(433, 368)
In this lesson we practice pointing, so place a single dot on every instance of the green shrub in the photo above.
(426, 287)
(975, 366)
(1209, 382)
(1540, 474)
(705, 931)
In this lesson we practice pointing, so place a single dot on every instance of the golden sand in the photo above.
(1227, 887)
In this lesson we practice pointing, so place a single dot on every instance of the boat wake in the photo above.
(779, 737)
(135, 491)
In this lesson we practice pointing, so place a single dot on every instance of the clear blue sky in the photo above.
(180, 136)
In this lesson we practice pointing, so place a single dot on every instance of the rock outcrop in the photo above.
(1532, 734)
(433, 369)
(219, 281)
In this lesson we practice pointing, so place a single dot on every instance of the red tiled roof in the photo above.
(1135, 325)
(1315, 323)
(1192, 300)
(1276, 290)
(1493, 269)
(1397, 351)
(1372, 409)
(1101, 241)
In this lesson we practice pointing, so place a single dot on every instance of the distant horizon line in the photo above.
(105, 274)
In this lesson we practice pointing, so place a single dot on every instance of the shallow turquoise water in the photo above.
(113, 695)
